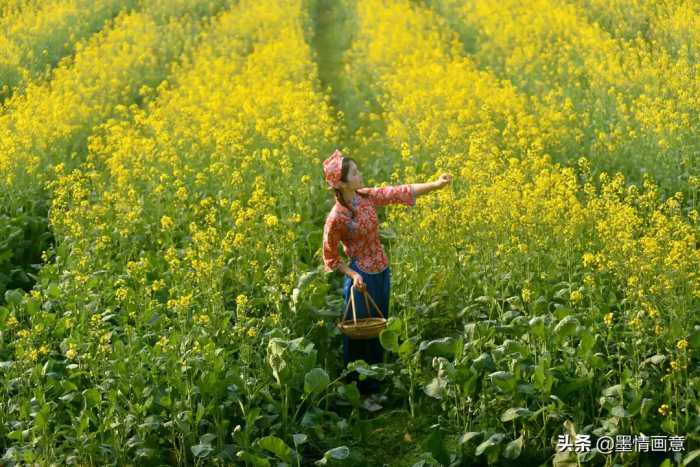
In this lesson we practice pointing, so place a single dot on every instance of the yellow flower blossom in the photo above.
(181, 193)
(608, 319)
(162, 342)
(270, 220)
(201, 319)
(166, 223)
(72, 352)
(576, 296)
(241, 300)
(122, 293)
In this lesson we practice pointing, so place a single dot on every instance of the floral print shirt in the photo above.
(360, 235)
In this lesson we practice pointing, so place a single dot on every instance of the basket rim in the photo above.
(363, 328)
(364, 320)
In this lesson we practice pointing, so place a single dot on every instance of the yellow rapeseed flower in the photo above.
(608, 319)
(162, 342)
(675, 366)
(166, 222)
(588, 259)
(201, 319)
(241, 300)
(576, 296)
(122, 293)
(271, 220)
(181, 193)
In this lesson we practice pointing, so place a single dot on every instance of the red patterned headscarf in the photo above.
(332, 168)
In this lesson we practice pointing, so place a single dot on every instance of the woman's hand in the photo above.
(358, 282)
(443, 180)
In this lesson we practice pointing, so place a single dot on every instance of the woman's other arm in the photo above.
(331, 259)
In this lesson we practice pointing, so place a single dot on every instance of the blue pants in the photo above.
(369, 350)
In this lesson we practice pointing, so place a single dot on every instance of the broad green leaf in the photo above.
(513, 449)
(566, 327)
(504, 380)
(434, 443)
(253, 459)
(655, 359)
(276, 446)
(53, 290)
(316, 380)
(389, 340)
(515, 412)
(14, 297)
(42, 417)
(339, 453)
(484, 362)
(444, 347)
(436, 388)
(537, 326)
(694, 339)
(615, 390)
(299, 438)
(394, 323)
(202, 450)
(92, 397)
(494, 440)
(350, 392)
(407, 347)
(692, 455)
(619, 411)
(468, 436)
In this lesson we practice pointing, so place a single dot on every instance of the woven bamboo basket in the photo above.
(363, 328)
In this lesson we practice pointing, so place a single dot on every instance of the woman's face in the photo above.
(354, 178)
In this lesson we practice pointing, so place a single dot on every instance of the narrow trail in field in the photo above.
(355, 100)
(387, 437)
(332, 37)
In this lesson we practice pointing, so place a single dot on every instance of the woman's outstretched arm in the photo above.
(424, 188)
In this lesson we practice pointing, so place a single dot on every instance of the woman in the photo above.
(353, 221)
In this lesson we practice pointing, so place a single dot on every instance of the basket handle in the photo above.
(352, 301)
(347, 307)
(373, 304)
